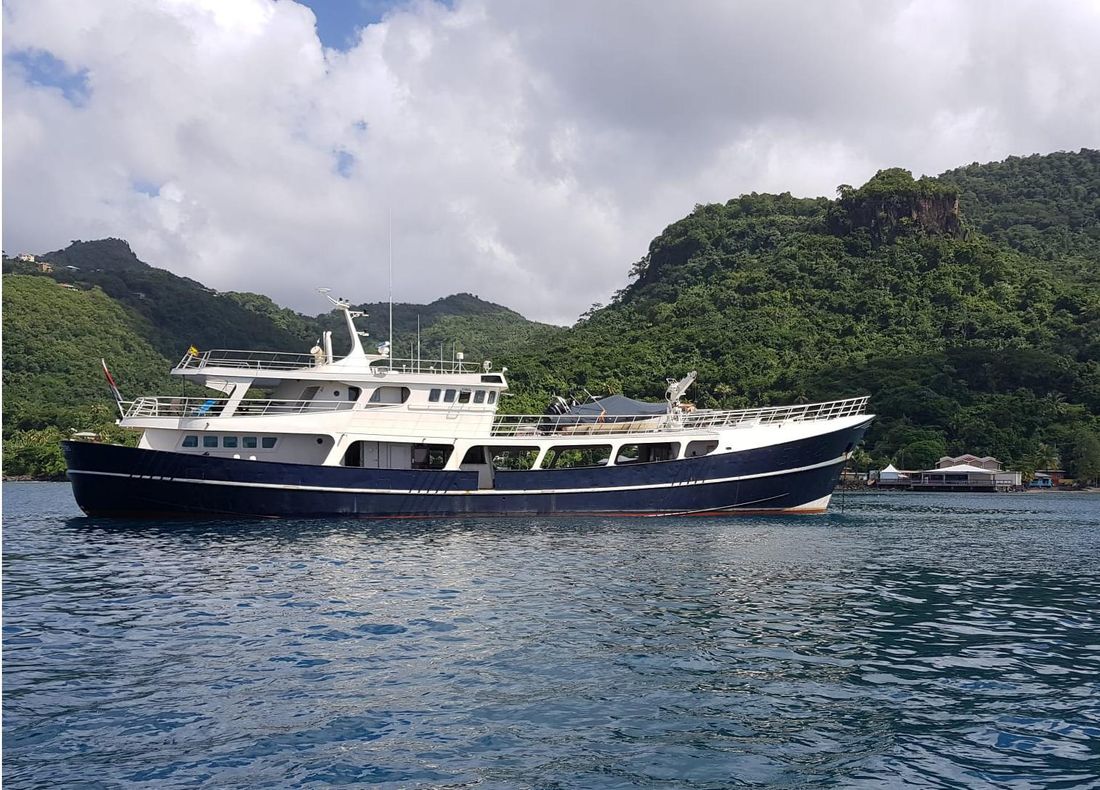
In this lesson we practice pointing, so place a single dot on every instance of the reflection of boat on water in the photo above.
(367, 435)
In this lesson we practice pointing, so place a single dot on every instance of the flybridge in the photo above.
(277, 364)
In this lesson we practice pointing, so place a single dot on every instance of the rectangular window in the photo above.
(229, 441)
(210, 441)
(479, 396)
(267, 442)
(563, 457)
(647, 452)
(449, 396)
(695, 449)
(249, 442)
(354, 393)
(492, 396)
(464, 396)
(190, 441)
(433, 396)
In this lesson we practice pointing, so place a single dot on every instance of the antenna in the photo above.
(418, 342)
(391, 285)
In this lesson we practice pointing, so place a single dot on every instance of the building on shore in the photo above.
(965, 477)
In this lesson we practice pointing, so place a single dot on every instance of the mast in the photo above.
(391, 234)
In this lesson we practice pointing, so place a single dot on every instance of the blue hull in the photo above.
(109, 480)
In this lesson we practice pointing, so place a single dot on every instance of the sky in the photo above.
(524, 151)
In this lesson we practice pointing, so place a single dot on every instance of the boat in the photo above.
(366, 435)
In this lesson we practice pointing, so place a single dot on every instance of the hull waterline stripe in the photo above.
(471, 492)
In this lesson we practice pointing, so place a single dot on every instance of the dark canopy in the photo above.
(618, 406)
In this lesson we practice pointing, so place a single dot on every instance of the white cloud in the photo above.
(528, 152)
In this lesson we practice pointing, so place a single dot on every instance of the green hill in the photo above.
(964, 343)
(53, 384)
(179, 311)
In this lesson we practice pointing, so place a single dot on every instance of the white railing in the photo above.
(251, 360)
(680, 421)
(284, 360)
(218, 407)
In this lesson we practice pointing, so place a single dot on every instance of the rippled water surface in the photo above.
(910, 641)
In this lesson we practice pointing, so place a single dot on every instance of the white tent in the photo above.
(890, 473)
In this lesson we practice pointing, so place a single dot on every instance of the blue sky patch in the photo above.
(344, 164)
(145, 187)
(338, 20)
(43, 69)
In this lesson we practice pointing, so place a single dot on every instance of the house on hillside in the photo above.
(45, 267)
(25, 257)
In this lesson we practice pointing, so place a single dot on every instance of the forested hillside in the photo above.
(967, 306)
(964, 343)
(54, 339)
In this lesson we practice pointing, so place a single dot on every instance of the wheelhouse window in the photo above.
(210, 441)
(248, 442)
(492, 396)
(433, 395)
(449, 396)
(268, 442)
(190, 441)
(479, 396)
(229, 441)
(646, 452)
(464, 396)
(390, 394)
(577, 457)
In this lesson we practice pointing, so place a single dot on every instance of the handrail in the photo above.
(676, 422)
(217, 407)
(253, 360)
(289, 360)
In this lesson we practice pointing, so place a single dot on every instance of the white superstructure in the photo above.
(372, 411)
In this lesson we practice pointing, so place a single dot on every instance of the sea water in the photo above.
(903, 640)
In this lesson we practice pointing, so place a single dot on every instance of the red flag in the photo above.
(111, 382)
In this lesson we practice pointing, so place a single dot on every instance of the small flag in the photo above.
(111, 382)
(192, 351)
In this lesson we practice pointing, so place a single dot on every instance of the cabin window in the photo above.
(479, 396)
(492, 396)
(433, 395)
(577, 457)
(309, 393)
(354, 393)
(190, 441)
(210, 441)
(268, 442)
(647, 452)
(695, 449)
(503, 457)
(449, 396)
(229, 441)
(249, 442)
(431, 456)
(463, 396)
(390, 394)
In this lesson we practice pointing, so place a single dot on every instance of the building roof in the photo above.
(961, 469)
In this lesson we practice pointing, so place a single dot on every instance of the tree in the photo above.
(1085, 459)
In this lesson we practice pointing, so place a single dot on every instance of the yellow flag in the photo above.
(193, 351)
